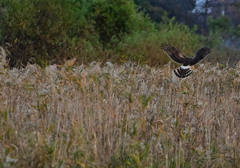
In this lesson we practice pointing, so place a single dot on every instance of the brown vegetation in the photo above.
(119, 116)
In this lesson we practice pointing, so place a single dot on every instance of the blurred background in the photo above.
(47, 32)
(209, 15)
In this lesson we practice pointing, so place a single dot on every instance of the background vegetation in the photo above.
(174, 8)
(47, 32)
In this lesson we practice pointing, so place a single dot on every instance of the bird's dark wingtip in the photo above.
(163, 45)
(207, 49)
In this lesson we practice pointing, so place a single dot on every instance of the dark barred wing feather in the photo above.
(200, 55)
(175, 54)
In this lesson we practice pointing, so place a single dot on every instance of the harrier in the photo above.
(176, 55)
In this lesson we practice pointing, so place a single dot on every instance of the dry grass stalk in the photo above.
(119, 116)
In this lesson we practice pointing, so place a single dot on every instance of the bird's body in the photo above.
(177, 56)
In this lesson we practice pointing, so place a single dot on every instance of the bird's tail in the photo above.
(183, 71)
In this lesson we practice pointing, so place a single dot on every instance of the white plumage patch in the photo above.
(185, 67)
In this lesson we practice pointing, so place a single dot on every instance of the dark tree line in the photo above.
(180, 9)
(193, 12)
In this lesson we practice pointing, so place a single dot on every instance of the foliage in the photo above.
(235, 31)
(43, 29)
(219, 24)
(47, 30)
(222, 27)
(113, 18)
(145, 47)
(174, 8)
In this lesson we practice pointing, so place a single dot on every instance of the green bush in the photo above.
(43, 29)
(115, 19)
(226, 37)
(47, 30)
(219, 24)
(98, 30)
(112, 18)
(222, 25)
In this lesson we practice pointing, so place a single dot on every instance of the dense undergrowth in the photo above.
(54, 31)
(113, 115)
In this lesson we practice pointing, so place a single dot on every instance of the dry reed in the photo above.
(119, 116)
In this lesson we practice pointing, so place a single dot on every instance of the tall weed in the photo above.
(119, 116)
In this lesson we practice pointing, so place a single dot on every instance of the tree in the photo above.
(205, 15)
(180, 9)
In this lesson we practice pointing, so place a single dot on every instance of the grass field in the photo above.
(119, 116)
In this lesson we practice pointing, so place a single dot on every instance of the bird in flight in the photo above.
(177, 56)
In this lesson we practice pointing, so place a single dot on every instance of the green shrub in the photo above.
(219, 24)
(47, 30)
(226, 37)
(43, 29)
(112, 17)
(222, 25)
(115, 19)
(98, 30)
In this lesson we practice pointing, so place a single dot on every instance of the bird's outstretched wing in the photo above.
(200, 55)
(175, 54)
